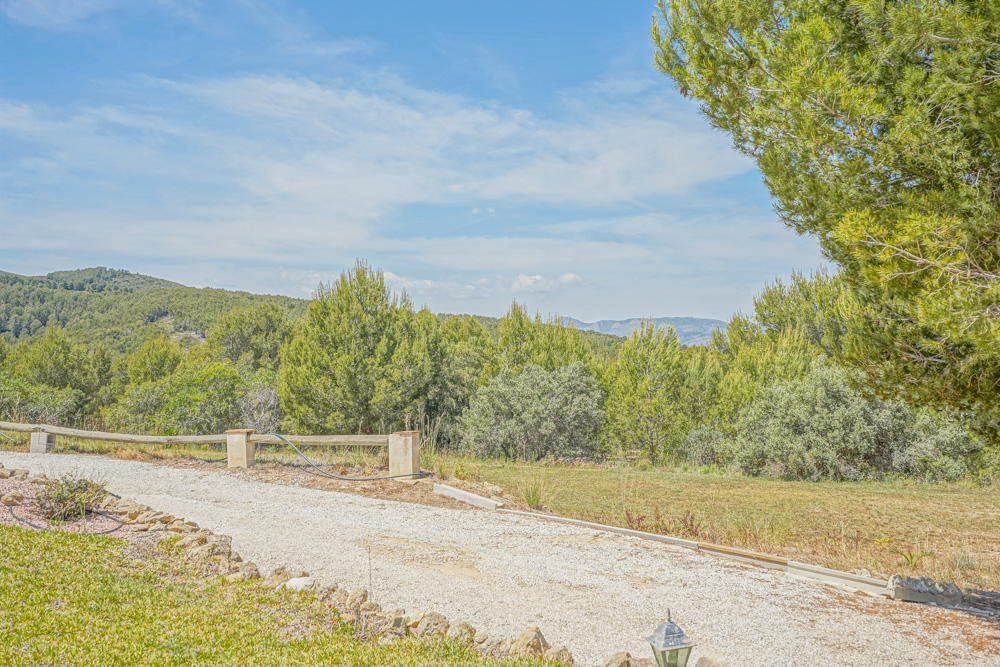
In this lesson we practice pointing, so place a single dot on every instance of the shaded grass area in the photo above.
(91, 600)
(947, 531)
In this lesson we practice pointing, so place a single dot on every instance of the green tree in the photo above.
(22, 401)
(154, 360)
(522, 340)
(750, 360)
(253, 334)
(875, 127)
(702, 376)
(56, 361)
(53, 360)
(645, 409)
(534, 414)
(814, 304)
(459, 352)
(358, 363)
(193, 400)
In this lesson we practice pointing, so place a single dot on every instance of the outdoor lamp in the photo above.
(670, 646)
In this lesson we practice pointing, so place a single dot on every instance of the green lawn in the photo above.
(91, 600)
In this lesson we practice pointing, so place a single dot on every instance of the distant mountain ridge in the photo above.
(690, 330)
(122, 309)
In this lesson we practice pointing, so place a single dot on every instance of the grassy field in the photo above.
(91, 600)
(948, 531)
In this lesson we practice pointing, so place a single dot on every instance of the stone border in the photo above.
(214, 554)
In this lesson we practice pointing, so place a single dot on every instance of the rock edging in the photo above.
(214, 553)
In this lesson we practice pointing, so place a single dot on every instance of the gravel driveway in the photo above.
(597, 593)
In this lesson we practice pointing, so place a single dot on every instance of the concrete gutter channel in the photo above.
(869, 585)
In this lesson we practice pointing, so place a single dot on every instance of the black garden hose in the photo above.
(346, 479)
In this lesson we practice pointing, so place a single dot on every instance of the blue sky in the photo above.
(476, 152)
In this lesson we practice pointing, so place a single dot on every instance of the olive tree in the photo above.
(534, 414)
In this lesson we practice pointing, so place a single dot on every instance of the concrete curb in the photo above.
(677, 541)
(467, 497)
(868, 585)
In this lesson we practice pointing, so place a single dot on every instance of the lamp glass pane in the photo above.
(679, 657)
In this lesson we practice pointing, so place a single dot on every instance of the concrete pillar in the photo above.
(404, 453)
(41, 442)
(239, 449)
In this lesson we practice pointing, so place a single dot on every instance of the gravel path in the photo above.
(597, 593)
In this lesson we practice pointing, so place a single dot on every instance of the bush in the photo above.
(70, 498)
(705, 446)
(192, 400)
(938, 451)
(819, 427)
(535, 414)
(22, 401)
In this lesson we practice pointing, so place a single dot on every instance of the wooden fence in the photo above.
(404, 446)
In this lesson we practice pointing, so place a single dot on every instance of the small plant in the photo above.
(360, 458)
(965, 561)
(461, 472)
(690, 526)
(634, 520)
(428, 455)
(533, 492)
(70, 498)
(913, 558)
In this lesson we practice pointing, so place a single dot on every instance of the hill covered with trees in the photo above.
(117, 309)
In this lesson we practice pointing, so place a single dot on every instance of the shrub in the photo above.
(22, 401)
(705, 446)
(937, 451)
(535, 414)
(70, 498)
(192, 400)
(819, 426)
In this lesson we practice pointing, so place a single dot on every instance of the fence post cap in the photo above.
(406, 432)
(241, 430)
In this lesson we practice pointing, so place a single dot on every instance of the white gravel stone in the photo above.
(596, 593)
(298, 584)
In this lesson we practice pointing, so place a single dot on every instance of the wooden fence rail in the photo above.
(404, 446)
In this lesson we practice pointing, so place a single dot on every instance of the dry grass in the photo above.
(947, 531)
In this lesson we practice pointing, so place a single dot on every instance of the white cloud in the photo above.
(289, 171)
(264, 165)
(69, 14)
(525, 283)
(53, 14)
(539, 283)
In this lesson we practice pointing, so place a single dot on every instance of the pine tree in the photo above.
(875, 125)
(359, 362)
(644, 406)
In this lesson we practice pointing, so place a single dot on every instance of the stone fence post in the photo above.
(239, 449)
(404, 453)
(41, 442)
